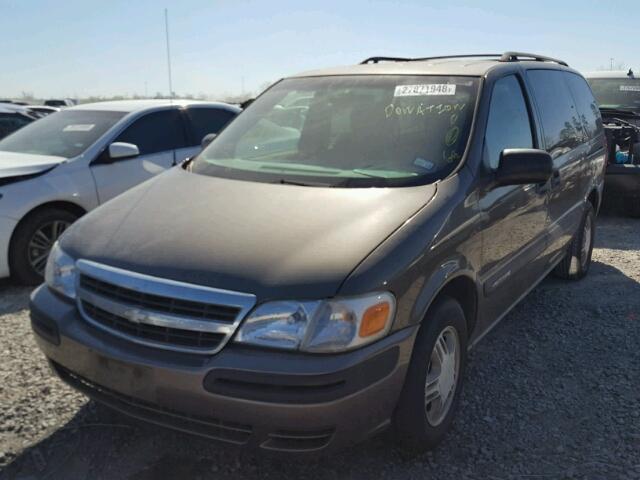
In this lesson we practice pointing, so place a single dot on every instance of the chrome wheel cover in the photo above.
(443, 371)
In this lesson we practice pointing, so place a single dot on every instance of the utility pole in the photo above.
(611, 63)
(166, 26)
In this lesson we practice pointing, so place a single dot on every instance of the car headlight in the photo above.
(60, 273)
(333, 325)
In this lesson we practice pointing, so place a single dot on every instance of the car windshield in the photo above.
(348, 131)
(622, 93)
(63, 134)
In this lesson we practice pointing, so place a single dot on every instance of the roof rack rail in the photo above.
(444, 57)
(420, 59)
(517, 56)
(385, 59)
(502, 57)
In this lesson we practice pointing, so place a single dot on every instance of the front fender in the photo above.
(457, 267)
(440, 243)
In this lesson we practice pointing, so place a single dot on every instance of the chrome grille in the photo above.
(157, 303)
(155, 333)
(159, 312)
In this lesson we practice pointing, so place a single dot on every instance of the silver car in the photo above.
(60, 167)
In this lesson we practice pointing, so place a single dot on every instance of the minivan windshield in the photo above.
(621, 93)
(348, 131)
(63, 134)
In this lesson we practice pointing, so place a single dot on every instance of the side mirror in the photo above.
(208, 138)
(122, 150)
(522, 166)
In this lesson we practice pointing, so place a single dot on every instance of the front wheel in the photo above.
(433, 385)
(32, 242)
(576, 263)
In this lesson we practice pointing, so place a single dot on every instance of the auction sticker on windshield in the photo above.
(78, 128)
(425, 89)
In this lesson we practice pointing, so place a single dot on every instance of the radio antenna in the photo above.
(166, 26)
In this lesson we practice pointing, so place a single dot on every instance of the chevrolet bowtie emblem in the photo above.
(136, 316)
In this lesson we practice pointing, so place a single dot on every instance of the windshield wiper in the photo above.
(619, 111)
(284, 181)
(364, 172)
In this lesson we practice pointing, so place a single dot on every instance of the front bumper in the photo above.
(7, 226)
(257, 398)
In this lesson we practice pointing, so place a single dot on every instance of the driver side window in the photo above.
(508, 125)
(156, 132)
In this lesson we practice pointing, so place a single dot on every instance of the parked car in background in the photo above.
(63, 165)
(43, 110)
(63, 103)
(617, 91)
(15, 102)
(300, 296)
(13, 117)
(618, 94)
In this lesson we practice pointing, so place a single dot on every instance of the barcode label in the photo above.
(425, 89)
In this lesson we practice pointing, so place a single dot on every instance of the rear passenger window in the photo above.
(560, 121)
(207, 120)
(508, 125)
(10, 123)
(156, 132)
(585, 103)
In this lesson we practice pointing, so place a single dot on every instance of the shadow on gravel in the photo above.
(99, 443)
(13, 299)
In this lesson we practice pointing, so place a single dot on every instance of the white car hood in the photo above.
(14, 164)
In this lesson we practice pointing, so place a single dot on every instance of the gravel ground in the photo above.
(553, 392)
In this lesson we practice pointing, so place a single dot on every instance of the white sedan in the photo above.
(60, 167)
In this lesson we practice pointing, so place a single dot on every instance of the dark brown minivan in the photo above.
(318, 273)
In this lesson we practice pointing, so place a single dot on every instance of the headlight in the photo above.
(320, 326)
(60, 273)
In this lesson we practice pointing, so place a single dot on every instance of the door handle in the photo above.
(550, 184)
(543, 188)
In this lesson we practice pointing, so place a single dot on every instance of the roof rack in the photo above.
(420, 59)
(517, 56)
(502, 57)
(385, 59)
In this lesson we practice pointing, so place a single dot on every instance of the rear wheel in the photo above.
(433, 385)
(32, 242)
(576, 263)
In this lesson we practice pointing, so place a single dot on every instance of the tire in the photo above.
(575, 265)
(418, 425)
(29, 247)
(632, 207)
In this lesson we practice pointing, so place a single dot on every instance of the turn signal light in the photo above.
(374, 319)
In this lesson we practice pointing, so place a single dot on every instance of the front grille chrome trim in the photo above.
(137, 315)
(169, 289)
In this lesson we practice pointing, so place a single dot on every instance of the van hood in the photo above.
(272, 240)
(13, 164)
